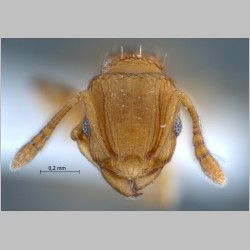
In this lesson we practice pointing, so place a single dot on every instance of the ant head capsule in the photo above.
(130, 124)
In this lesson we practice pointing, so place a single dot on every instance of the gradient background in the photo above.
(213, 72)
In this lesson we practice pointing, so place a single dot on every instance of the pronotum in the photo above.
(131, 121)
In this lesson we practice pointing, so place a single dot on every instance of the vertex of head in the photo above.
(132, 63)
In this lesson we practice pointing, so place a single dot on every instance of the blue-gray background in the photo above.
(213, 72)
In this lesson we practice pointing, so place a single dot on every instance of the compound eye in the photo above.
(85, 126)
(177, 126)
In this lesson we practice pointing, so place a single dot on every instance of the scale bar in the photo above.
(59, 171)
